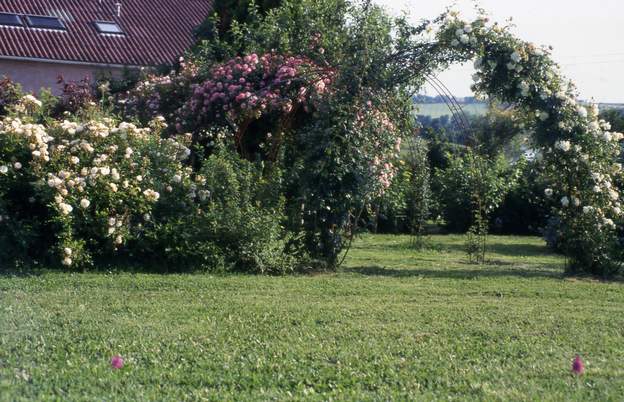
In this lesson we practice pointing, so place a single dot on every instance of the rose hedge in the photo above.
(90, 189)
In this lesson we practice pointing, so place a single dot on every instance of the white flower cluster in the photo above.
(564, 146)
(35, 134)
(67, 254)
(27, 103)
(100, 167)
(465, 36)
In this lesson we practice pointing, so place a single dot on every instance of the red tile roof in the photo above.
(156, 31)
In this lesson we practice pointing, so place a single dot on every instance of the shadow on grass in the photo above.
(509, 250)
(19, 272)
(479, 271)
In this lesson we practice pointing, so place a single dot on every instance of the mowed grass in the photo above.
(393, 324)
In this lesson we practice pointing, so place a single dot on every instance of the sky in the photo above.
(587, 37)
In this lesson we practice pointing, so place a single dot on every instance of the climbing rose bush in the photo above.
(248, 87)
(578, 148)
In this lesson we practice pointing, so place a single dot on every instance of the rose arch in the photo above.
(579, 150)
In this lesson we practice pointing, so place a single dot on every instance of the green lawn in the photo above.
(392, 324)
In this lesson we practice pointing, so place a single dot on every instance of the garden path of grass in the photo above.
(393, 324)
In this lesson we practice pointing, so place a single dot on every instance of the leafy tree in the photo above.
(228, 14)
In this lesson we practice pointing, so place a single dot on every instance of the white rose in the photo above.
(4, 169)
(524, 88)
(66, 209)
(564, 146)
(614, 195)
(548, 192)
(84, 203)
(151, 195)
(582, 111)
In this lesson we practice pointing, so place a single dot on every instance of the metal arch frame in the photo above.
(457, 113)
(459, 116)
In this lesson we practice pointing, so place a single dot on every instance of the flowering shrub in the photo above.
(97, 179)
(96, 188)
(338, 166)
(327, 109)
(246, 88)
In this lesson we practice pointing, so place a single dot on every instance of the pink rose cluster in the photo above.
(252, 85)
(384, 141)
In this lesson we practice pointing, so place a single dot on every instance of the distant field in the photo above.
(436, 110)
(604, 106)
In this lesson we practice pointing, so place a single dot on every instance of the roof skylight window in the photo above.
(108, 27)
(44, 22)
(11, 20)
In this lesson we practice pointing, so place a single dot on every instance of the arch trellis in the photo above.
(579, 150)
(457, 112)
(580, 154)
(419, 185)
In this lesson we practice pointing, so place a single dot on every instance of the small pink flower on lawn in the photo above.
(117, 362)
(577, 365)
